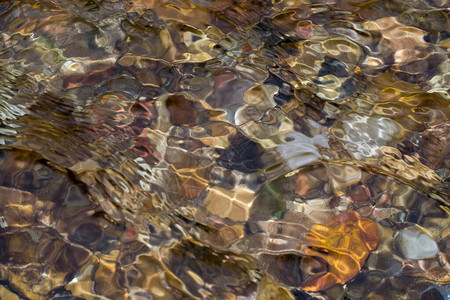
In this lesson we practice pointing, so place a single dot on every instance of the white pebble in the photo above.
(413, 244)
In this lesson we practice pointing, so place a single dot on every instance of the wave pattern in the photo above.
(224, 149)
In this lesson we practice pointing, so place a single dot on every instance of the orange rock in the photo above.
(344, 244)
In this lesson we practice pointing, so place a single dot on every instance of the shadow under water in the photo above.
(197, 149)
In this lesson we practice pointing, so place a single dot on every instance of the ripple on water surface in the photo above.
(224, 149)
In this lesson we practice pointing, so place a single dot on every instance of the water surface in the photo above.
(224, 149)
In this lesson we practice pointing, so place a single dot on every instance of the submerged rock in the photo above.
(413, 244)
(241, 149)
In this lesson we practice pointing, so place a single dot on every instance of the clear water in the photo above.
(224, 149)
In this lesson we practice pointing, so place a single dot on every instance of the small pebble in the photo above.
(413, 244)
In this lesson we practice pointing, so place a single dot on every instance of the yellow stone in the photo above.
(6, 294)
(344, 244)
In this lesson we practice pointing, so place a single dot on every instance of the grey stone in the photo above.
(413, 244)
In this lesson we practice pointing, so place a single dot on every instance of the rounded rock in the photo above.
(413, 244)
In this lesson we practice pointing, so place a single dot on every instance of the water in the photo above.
(224, 149)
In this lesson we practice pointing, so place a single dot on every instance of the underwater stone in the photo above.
(413, 244)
